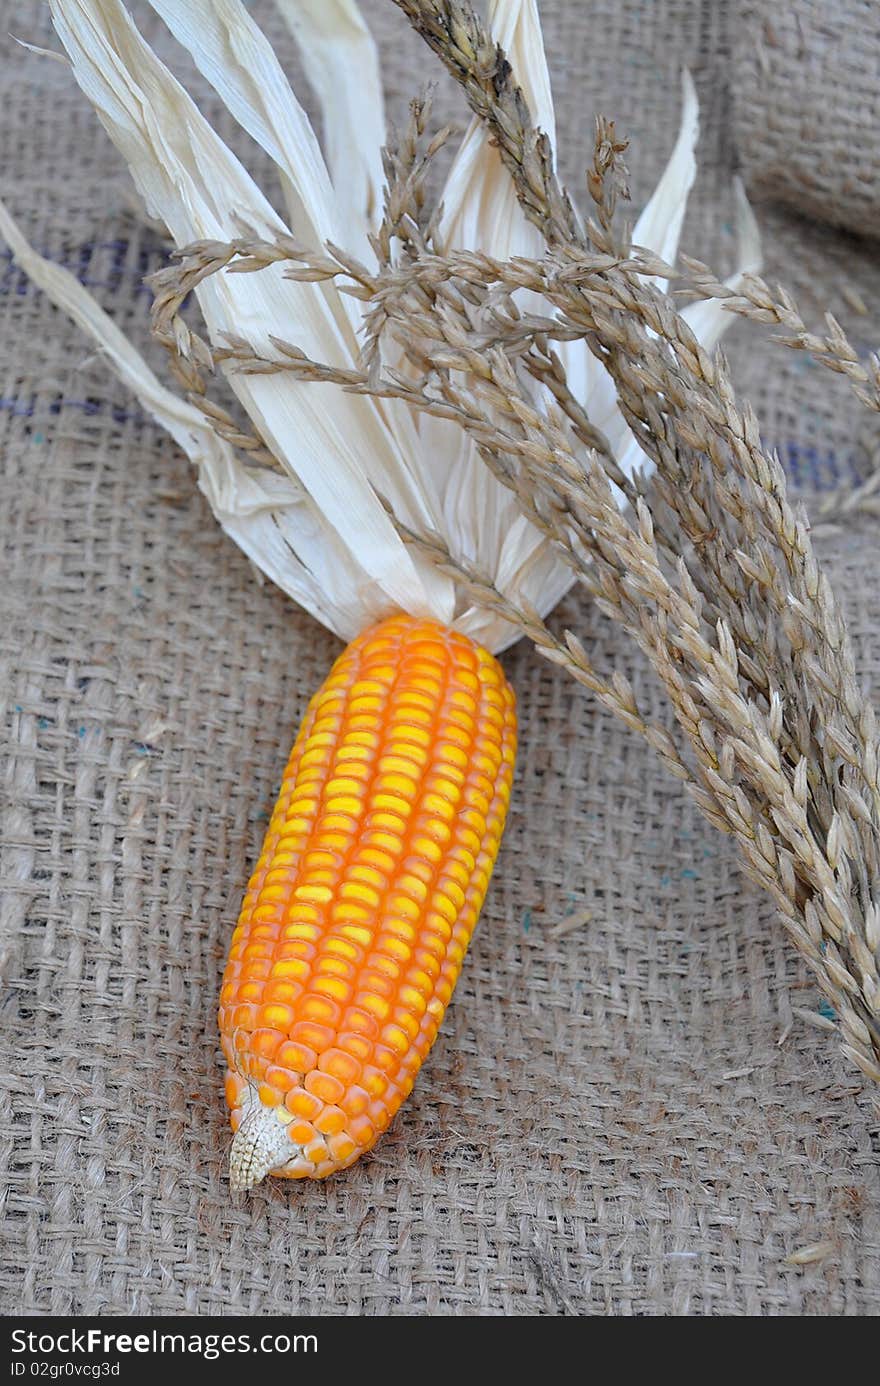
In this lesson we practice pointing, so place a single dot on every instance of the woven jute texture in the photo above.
(627, 1118)
(806, 107)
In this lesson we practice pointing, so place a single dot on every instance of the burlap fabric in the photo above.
(628, 1118)
(806, 106)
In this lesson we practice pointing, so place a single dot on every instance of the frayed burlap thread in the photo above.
(639, 1114)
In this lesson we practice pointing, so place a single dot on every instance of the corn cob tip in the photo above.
(260, 1143)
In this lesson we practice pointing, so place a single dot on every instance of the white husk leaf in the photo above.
(237, 59)
(336, 43)
(320, 530)
(191, 181)
(254, 507)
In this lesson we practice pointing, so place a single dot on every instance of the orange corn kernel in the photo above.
(365, 896)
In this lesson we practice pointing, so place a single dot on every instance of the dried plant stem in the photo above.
(479, 65)
(753, 299)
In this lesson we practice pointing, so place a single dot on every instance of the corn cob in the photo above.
(370, 881)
